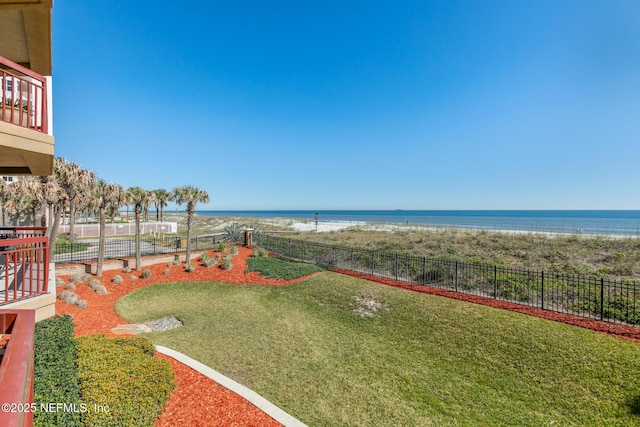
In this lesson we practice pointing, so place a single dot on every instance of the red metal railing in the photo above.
(23, 95)
(16, 368)
(24, 263)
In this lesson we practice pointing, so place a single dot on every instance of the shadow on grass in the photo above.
(634, 405)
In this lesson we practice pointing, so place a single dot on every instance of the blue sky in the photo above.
(356, 104)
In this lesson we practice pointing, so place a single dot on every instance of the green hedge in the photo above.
(120, 374)
(56, 372)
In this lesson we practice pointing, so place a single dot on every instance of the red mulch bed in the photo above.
(198, 400)
(621, 331)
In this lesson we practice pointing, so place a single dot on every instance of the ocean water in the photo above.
(611, 222)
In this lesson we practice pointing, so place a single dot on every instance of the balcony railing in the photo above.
(16, 368)
(24, 263)
(23, 95)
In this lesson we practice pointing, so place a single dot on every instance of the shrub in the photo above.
(176, 260)
(222, 246)
(117, 279)
(59, 282)
(69, 297)
(55, 371)
(234, 250)
(207, 261)
(79, 278)
(63, 295)
(233, 232)
(96, 286)
(226, 263)
(146, 273)
(70, 286)
(259, 252)
(167, 271)
(133, 277)
(126, 270)
(121, 374)
(190, 267)
(81, 304)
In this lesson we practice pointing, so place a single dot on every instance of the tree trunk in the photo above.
(138, 211)
(72, 214)
(189, 222)
(53, 230)
(101, 244)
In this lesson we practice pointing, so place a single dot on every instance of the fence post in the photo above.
(543, 290)
(495, 281)
(396, 266)
(424, 271)
(196, 242)
(456, 275)
(601, 298)
(353, 265)
(372, 263)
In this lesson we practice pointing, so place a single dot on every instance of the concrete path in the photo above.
(260, 402)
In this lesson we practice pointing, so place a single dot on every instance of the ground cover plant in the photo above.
(336, 350)
(120, 374)
(55, 371)
(277, 268)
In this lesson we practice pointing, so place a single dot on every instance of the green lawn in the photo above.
(420, 360)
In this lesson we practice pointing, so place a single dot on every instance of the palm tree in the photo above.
(190, 195)
(162, 196)
(103, 197)
(138, 197)
(73, 180)
(25, 195)
(150, 199)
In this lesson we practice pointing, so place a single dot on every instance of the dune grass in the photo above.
(418, 360)
(277, 268)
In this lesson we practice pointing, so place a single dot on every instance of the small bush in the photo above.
(207, 261)
(63, 295)
(59, 282)
(55, 371)
(117, 279)
(234, 250)
(79, 278)
(121, 374)
(133, 277)
(126, 270)
(222, 246)
(69, 297)
(190, 267)
(96, 286)
(226, 263)
(146, 273)
(70, 286)
(259, 252)
(176, 260)
(167, 271)
(81, 304)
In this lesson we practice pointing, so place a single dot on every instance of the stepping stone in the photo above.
(130, 329)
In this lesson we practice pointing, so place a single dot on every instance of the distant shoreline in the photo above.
(323, 226)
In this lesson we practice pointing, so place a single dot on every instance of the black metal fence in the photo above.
(596, 298)
(86, 251)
